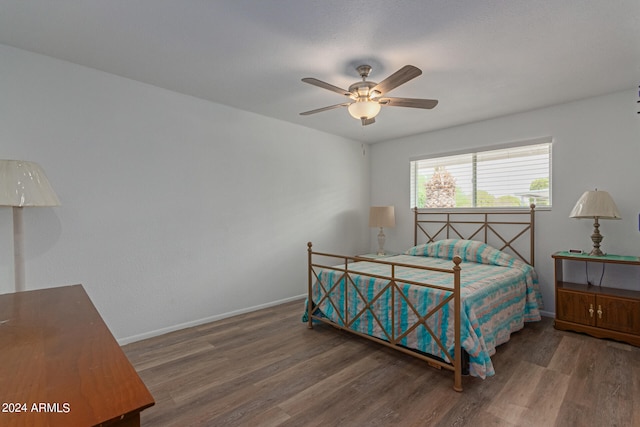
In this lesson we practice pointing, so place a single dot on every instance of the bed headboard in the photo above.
(512, 231)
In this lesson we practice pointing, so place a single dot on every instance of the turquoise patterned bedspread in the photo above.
(499, 294)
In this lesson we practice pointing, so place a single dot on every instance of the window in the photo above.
(513, 176)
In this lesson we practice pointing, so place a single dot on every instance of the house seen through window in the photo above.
(513, 176)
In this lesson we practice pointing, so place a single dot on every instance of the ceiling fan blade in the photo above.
(401, 76)
(368, 121)
(331, 107)
(409, 102)
(328, 86)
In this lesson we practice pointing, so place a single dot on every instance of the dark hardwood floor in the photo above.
(267, 369)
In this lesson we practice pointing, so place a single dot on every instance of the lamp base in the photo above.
(18, 249)
(596, 238)
(597, 252)
(381, 239)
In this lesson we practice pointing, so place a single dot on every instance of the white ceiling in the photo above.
(480, 59)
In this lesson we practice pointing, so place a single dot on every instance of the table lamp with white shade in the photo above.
(381, 216)
(23, 184)
(595, 205)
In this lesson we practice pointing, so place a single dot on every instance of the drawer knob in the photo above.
(591, 310)
(599, 311)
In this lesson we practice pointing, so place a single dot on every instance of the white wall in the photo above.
(596, 144)
(174, 209)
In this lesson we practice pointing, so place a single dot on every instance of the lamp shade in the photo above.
(595, 204)
(25, 184)
(382, 216)
(364, 109)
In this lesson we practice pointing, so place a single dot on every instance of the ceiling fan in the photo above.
(367, 96)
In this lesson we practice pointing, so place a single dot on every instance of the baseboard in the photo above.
(151, 334)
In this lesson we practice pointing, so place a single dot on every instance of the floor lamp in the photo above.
(23, 184)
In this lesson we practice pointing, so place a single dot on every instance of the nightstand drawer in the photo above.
(577, 307)
(618, 314)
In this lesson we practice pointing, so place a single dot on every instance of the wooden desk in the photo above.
(60, 365)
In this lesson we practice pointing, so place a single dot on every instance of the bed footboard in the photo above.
(391, 330)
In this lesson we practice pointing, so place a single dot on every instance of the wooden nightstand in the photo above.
(603, 312)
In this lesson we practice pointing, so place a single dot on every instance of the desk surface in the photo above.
(60, 365)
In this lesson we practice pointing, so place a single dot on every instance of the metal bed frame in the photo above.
(447, 225)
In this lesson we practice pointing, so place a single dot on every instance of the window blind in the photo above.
(512, 176)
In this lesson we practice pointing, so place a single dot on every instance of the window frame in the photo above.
(473, 152)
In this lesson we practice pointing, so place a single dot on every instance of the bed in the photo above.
(450, 300)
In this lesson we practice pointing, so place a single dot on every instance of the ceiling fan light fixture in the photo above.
(364, 109)
(366, 97)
